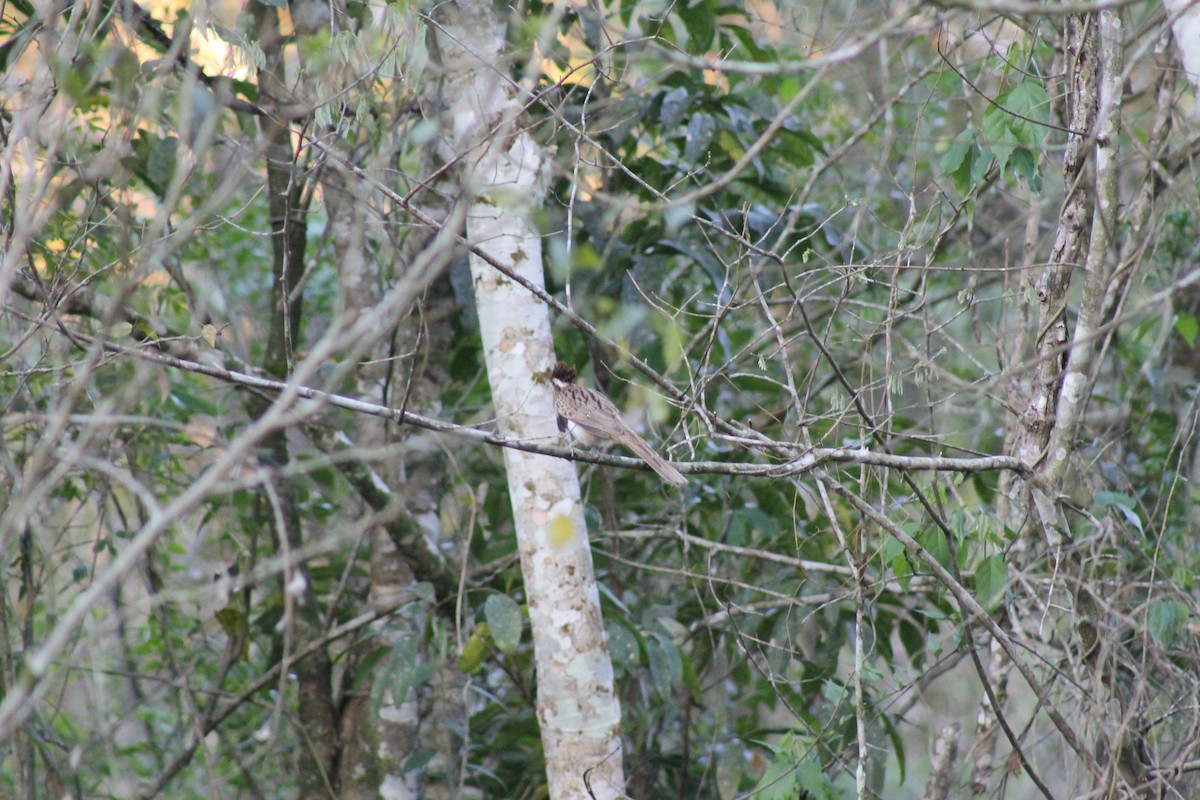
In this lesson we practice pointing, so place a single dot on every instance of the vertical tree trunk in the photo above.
(1185, 24)
(504, 174)
(314, 675)
(1065, 352)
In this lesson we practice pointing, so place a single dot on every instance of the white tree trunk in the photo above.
(1185, 25)
(504, 174)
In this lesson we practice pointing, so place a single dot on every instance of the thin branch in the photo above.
(970, 608)
(263, 681)
(796, 466)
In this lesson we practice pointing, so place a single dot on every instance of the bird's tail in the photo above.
(665, 469)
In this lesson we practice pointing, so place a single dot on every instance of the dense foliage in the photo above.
(838, 256)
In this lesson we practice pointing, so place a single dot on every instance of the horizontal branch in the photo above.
(801, 464)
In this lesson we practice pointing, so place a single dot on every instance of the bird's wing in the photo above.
(596, 414)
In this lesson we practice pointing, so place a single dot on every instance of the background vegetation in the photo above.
(912, 288)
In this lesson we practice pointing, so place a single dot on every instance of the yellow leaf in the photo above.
(561, 532)
(233, 622)
(476, 648)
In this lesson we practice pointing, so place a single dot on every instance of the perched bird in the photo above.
(589, 415)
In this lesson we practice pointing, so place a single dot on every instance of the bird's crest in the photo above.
(563, 372)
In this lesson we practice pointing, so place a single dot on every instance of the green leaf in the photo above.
(1123, 503)
(810, 778)
(25, 8)
(233, 621)
(423, 591)
(779, 781)
(991, 578)
(161, 162)
(626, 13)
(700, 130)
(1187, 327)
(958, 162)
(666, 667)
(623, 646)
(914, 640)
(674, 105)
(934, 542)
(366, 667)
(176, 312)
(998, 135)
(1024, 165)
(892, 549)
(191, 403)
(691, 681)
(474, 651)
(404, 671)
(730, 144)
(1017, 122)
(746, 38)
(779, 651)
(420, 757)
(797, 147)
(504, 618)
(730, 767)
(700, 21)
(750, 524)
(1030, 100)
(1164, 618)
(897, 740)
